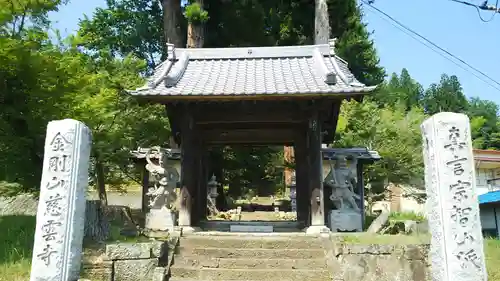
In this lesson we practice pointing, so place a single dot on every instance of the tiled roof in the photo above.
(313, 69)
(361, 153)
(141, 152)
(490, 197)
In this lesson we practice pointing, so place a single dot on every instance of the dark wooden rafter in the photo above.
(248, 136)
(253, 123)
(330, 122)
(244, 112)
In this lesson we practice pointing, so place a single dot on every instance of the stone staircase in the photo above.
(250, 257)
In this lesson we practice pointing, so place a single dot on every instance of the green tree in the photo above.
(446, 96)
(119, 124)
(354, 44)
(30, 89)
(394, 133)
(484, 123)
(400, 90)
(127, 27)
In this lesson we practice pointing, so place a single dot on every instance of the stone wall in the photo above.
(22, 204)
(375, 262)
(132, 261)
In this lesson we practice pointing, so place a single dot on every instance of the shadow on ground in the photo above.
(16, 238)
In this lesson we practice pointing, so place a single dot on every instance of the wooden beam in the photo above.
(248, 126)
(247, 115)
(248, 136)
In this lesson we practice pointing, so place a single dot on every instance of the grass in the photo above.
(403, 216)
(16, 243)
(17, 232)
(364, 238)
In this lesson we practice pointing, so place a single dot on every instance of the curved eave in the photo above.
(147, 94)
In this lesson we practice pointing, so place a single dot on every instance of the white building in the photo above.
(487, 164)
(488, 188)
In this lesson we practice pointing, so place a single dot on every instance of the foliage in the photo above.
(20, 18)
(84, 77)
(43, 81)
(400, 90)
(445, 96)
(195, 13)
(403, 216)
(354, 43)
(118, 123)
(126, 27)
(16, 246)
(394, 133)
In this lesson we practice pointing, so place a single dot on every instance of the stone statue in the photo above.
(343, 180)
(165, 178)
(162, 196)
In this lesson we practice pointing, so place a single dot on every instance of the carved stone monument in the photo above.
(452, 206)
(343, 181)
(161, 215)
(57, 251)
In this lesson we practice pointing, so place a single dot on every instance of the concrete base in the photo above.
(317, 229)
(189, 229)
(346, 220)
(161, 219)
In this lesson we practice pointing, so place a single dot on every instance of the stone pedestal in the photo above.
(345, 220)
(160, 219)
(317, 229)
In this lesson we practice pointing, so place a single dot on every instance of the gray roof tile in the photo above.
(252, 71)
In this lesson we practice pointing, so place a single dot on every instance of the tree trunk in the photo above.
(195, 32)
(97, 227)
(101, 184)
(195, 36)
(171, 21)
(321, 23)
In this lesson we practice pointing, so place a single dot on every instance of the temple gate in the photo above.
(253, 96)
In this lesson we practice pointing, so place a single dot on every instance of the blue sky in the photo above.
(454, 27)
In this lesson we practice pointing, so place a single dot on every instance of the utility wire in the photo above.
(441, 54)
(484, 6)
(433, 46)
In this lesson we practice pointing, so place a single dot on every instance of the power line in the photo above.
(428, 42)
(441, 54)
(484, 6)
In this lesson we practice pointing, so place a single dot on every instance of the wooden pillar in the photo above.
(301, 178)
(144, 190)
(197, 208)
(315, 174)
(189, 173)
(203, 182)
(361, 191)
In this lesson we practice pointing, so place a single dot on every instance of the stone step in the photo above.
(224, 224)
(251, 253)
(218, 274)
(242, 263)
(191, 279)
(254, 242)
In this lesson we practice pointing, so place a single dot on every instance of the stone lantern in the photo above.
(212, 188)
(293, 193)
